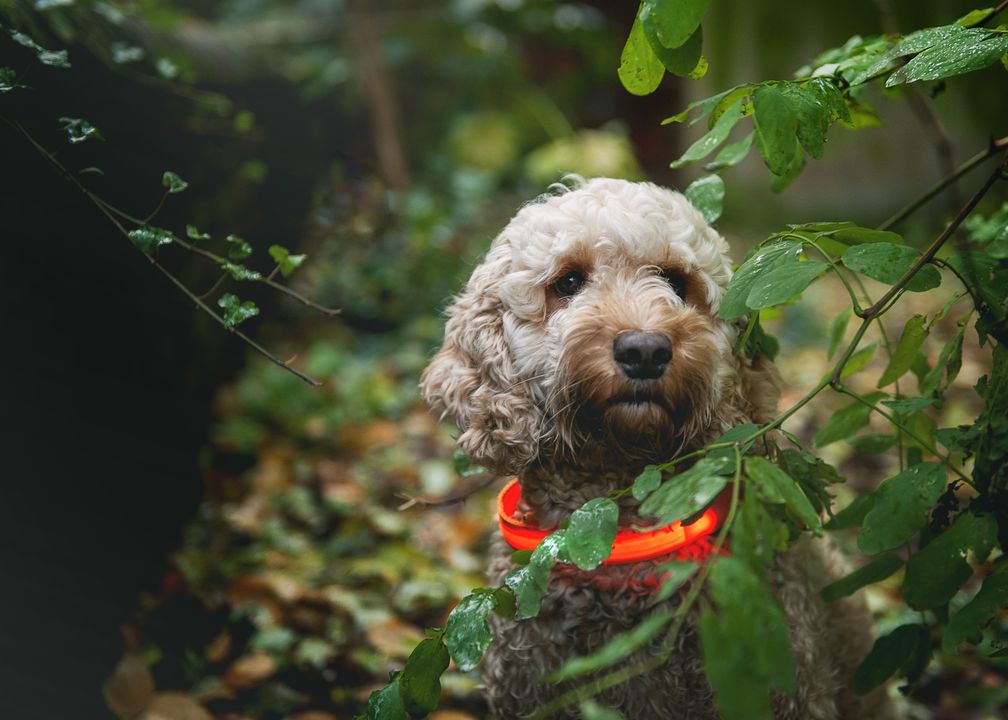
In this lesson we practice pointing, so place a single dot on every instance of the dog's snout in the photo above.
(642, 355)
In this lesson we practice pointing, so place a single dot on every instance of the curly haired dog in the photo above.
(585, 346)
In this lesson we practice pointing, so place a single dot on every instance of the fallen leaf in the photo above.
(176, 706)
(249, 670)
(129, 690)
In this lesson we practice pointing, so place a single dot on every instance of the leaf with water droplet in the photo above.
(78, 130)
(235, 311)
(173, 182)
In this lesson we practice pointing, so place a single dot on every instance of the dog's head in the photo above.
(592, 323)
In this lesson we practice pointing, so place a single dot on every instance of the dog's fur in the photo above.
(529, 376)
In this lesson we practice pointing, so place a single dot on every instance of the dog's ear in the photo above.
(471, 377)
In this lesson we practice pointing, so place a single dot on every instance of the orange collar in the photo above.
(689, 542)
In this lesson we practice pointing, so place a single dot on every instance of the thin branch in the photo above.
(992, 14)
(100, 204)
(929, 253)
(978, 159)
(450, 500)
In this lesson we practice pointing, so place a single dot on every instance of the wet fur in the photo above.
(529, 378)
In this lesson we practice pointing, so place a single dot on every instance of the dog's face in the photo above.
(591, 323)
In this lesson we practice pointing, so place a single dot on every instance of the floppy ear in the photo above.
(471, 378)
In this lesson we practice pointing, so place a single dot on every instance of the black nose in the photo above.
(642, 355)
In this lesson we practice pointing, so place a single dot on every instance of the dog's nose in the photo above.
(642, 355)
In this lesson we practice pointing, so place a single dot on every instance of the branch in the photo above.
(991, 150)
(935, 246)
(101, 205)
(450, 500)
(992, 14)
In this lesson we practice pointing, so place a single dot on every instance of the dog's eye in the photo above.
(569, 283)
(676, 281)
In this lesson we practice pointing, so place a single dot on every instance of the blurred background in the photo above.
(192, 532)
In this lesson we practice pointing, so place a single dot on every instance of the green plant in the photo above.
(941, 530)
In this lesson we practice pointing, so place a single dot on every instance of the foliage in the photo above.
(940, 526)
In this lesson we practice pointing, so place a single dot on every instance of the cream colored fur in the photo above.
(529, 377)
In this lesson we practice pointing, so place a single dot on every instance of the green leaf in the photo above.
(675, 21)
(591, 532)
(746, 647)
(714, 137)
(707, 195)
(877, 570)
(872, 443)
(899, 650)
(907, 406)
(618, 648)
(53, 58)
(235, 311)
(647, 482)
(778, 487)
(78, 130)
(530, 582)
(173, 182)
(680, 60)
(948, 364)
(978, 612)
(732, 153)
(466, 632)
(783, 283)
(672, 575)
(902, 505)
(387, 703)
(813, 117)
(688, 492)
(764, 260)
(240, 272)
(239, 249)
(776, 128)
(193, 233)
(858, 360)
(8, 80)
(149, 238)
(912, 44)
(846, 422)
(906, 351)
(591, 710)
(288, 263)
(640, 70)
(963, 51)
(886, 262)
(837, 330)
(937, 571)
(703, 106)
(758, 534)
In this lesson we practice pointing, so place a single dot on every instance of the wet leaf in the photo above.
(173, 182)
(886, 262)
(682, 60)
(776, 254)
(647, 482)
(776, 128)
(591, 532)
(962, 50)
(846, 421)
(78, 130)
(420, 681)
(713, 137)
(732, 153)
(150, 238)
(906, 351)
(240, 272)
(54, 58)
(529, 582)
(387, 703)
(640, 70)
(193, 233)
(238, 249)
(8, 80)
(688, 492)
(707, 195)
(776, 486)
(675, 20)
(235, 311)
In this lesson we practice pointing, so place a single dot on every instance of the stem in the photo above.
(991, 150)
(879, 307)
(909, 433)
(623, 674)
(990, 16)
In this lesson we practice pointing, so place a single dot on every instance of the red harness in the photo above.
(686, 542)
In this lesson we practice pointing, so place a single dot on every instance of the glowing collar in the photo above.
(689, 542)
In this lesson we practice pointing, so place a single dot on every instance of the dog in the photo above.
(585, 346)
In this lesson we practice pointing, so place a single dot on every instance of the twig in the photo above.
(934, 247)
(101, 205)
(991, 150)
(450, 500)
(992, 14)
